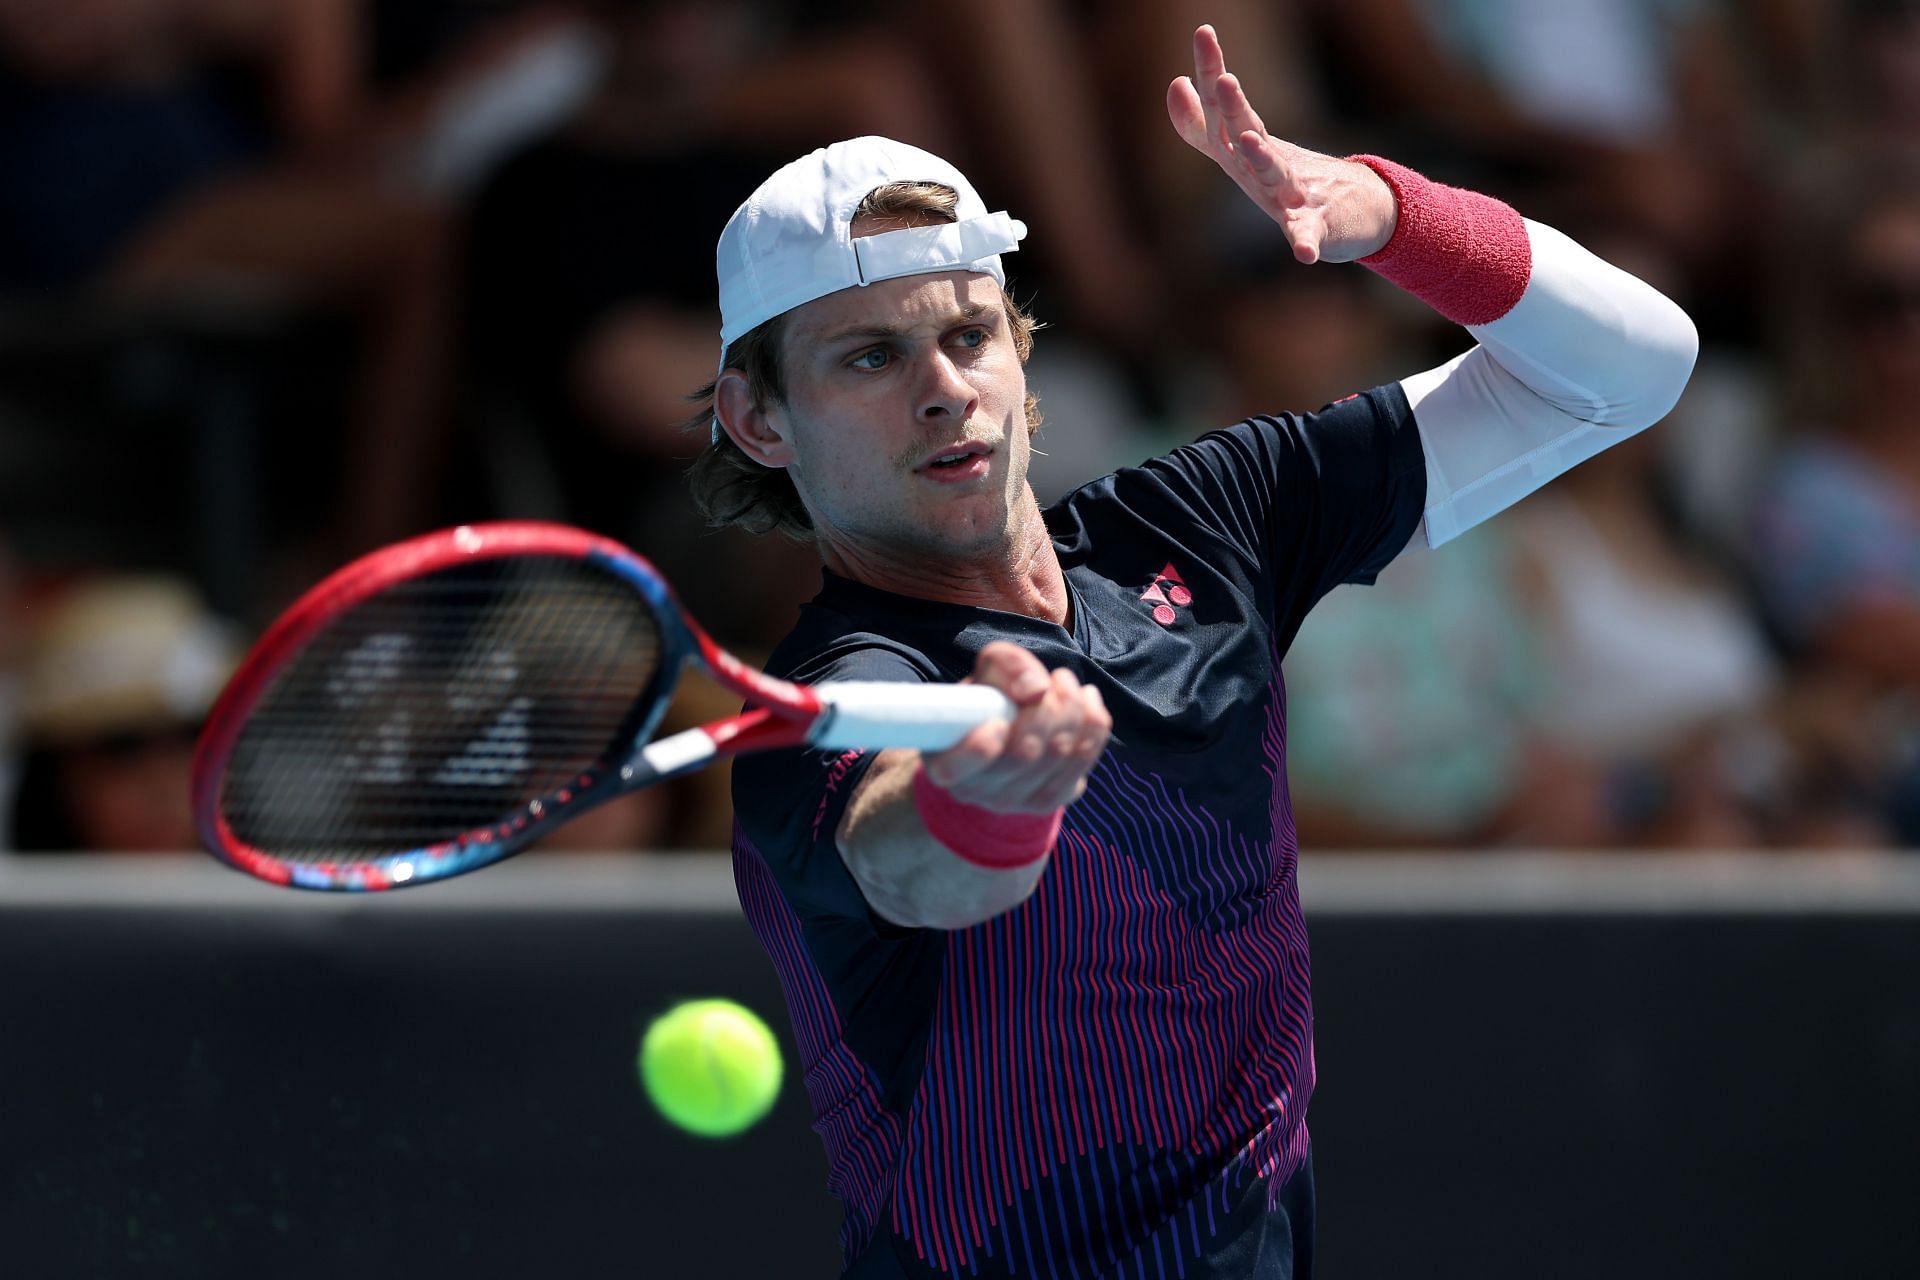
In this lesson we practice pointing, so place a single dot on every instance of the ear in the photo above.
(756, 430)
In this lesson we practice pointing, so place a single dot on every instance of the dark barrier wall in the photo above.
(203, 1077)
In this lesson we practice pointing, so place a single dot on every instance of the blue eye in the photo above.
(974, 338)
(864, 361)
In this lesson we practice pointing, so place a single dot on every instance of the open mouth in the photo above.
(958, 458)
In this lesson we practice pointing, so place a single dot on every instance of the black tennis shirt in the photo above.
(1112, 1078)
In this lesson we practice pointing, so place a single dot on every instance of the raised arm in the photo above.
(951, 839)
(1573, 354)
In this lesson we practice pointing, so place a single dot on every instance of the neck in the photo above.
(1019, 575)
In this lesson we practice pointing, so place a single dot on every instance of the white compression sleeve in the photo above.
(1588, 356)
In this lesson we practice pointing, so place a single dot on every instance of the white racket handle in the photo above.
(894, 713)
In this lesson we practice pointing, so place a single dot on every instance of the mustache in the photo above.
(911, 457)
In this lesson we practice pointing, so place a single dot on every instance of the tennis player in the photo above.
(1050, 987)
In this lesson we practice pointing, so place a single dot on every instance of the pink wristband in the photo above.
(999, 841)
(1464, 254)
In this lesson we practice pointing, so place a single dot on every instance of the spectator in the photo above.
(1658, 666)
(119, 673)
(1428, 686)
(1837, 531)
(1589, 682)
(1840, 525)
(1630, 110)
(239, 161)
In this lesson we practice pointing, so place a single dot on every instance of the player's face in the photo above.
(905, 411)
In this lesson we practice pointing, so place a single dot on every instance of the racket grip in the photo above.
(889, 713)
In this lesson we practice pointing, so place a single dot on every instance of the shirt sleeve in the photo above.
(1313, 500)
(787, 804)
(1588, 356)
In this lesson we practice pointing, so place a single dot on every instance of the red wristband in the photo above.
(999, 841)
(1464, 254)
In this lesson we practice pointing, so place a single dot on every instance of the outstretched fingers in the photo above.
(1263, 162)
(1237, 116)
(1212, 114)
(1326, 207)
(1187, 114)
(1209, 64)
(1209, 109)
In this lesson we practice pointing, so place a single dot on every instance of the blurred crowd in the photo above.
(281, 280)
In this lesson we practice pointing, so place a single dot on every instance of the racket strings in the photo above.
(441, 706)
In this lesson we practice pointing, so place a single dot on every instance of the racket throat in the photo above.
(676, 753)
(756, 730)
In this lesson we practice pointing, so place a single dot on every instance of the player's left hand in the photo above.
(1330, 209)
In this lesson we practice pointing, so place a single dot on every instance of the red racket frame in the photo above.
(783, 715)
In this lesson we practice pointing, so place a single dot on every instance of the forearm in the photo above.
(1601, 345)
(1574, 354)
(907, 874)
(1598, 344)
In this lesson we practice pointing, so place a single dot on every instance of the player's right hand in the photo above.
(1039, 761)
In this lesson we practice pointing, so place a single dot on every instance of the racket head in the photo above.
(439, 705)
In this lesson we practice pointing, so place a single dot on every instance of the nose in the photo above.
(944, 394)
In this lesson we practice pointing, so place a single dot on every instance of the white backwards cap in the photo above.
(792, 241)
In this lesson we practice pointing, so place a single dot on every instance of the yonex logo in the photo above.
(1166, 594)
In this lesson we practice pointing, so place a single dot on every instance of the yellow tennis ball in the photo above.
(711, 1066)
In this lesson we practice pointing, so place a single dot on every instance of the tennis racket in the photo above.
(441, 704)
